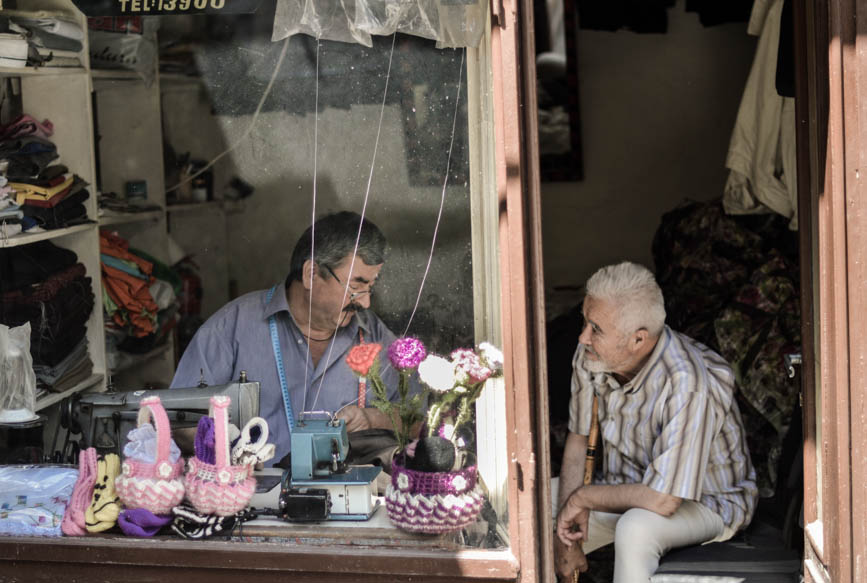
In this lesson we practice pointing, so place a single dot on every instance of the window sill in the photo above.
(114, 558)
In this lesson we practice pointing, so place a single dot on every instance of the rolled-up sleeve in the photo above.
(581, 403)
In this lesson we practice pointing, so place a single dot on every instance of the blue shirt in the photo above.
(237, 337)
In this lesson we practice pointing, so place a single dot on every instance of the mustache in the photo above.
(353, 307)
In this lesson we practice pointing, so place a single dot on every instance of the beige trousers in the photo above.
(642, 537)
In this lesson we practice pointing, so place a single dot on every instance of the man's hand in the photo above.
(567, 559)
(573, 519)
(356, 418)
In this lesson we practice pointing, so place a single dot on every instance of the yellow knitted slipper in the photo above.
(105, 505)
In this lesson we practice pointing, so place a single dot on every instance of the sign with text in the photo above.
(165, 7)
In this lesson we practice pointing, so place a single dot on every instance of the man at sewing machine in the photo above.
(303, 327)
(676, 468)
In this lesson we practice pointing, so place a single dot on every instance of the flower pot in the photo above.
(433, 502)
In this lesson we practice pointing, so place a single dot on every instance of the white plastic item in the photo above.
(13, 50)
(17, 379)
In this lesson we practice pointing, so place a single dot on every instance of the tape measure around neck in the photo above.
(278, 357)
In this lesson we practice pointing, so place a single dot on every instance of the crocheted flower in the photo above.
(361, 357)
(125, 469)
(437, 373)
(459, 483)
(165, 470)
(224, 476)
(403, 482)
(406, 353)
(469, 365)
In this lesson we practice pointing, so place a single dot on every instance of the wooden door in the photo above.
(832, 146)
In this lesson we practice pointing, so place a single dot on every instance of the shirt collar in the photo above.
(639, 379)
(279, 303)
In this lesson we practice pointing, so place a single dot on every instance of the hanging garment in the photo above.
(762, 156)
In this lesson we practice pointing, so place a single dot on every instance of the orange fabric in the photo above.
(134, 297)
(116, 246)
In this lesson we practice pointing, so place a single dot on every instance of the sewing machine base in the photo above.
(351, 494)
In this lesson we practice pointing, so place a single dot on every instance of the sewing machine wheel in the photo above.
(68, 415)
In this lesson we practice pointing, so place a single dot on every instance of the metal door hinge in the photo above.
(792, 360)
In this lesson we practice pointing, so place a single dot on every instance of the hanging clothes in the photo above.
(762, 154)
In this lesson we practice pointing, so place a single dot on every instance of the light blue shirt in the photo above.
(237, 337)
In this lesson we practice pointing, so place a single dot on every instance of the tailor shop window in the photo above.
(272, 133)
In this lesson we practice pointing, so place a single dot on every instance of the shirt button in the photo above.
(299, 341)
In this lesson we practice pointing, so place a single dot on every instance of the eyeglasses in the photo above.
(355, 292)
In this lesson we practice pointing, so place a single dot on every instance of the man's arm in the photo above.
(617, 498)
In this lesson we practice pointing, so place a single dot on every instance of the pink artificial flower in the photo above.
(468, 362)
(406, 353)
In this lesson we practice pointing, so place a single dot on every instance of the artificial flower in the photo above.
(459, 483)
(406, 353)
(361, 357)
(437, 373)
(492, 356)
(469, 365)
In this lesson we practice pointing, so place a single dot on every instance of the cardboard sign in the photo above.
(165, 7)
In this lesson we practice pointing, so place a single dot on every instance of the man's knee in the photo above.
(637, 529)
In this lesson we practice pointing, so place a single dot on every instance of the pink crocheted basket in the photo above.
(156, 487)
(221, 489)
(433, 502)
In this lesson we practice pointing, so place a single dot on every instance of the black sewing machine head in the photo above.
(104, 419)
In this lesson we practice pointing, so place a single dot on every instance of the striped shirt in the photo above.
(675, 427)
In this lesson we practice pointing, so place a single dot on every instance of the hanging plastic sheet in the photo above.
(451, 23)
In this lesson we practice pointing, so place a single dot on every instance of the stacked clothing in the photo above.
(11, 216)
(53, 40)
(45, 285)
(139, 296)
(45, 195)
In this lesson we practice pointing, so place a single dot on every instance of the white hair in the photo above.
(635, 294)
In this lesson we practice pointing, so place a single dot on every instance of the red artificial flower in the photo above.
(361, 357)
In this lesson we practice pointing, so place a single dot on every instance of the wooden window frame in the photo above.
(528, 558)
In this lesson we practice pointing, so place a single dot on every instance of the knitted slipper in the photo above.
(73, 521)
(140, 522)
(105, 505)
(191, 524)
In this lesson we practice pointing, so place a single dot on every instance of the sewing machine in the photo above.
(105, 419)
(319, 484)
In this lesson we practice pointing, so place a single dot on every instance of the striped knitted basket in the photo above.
(221, 489)
(156, 487)
(433, 502)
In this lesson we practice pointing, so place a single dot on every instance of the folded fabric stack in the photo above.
(139, 299)
(53, 41)
(45, 195)
(10, 213)
(45, 285)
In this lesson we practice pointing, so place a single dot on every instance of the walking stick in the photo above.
(590, 460)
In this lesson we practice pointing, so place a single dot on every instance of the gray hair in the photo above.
(635, 294)
(335, 239)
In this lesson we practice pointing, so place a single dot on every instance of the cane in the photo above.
(590, 460)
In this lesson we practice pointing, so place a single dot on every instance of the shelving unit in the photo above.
(63, 95)
(129, 147)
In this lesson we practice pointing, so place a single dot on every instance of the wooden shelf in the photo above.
(41, 71)
(116, 218)
(27, 238)
(52, 398)
(115, 75)
(191, 206)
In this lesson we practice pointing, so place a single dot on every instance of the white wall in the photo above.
(656, 113)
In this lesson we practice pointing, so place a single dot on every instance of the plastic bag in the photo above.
(17, 379)
(33, 498)
(452, 23)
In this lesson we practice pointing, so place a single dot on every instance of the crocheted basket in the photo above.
(221, 489)
(433, 502)
(156, 487)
